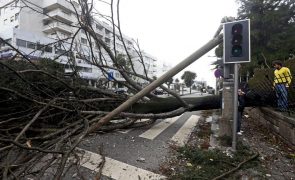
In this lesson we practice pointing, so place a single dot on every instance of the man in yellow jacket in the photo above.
(282, 80)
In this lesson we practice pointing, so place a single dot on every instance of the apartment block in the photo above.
(45, 28)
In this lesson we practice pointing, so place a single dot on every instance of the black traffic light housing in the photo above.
(236, 42)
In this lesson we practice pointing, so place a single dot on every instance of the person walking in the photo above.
(282, 81)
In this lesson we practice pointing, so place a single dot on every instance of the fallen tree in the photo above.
(45, 113)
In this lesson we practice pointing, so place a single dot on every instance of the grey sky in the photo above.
(171, 30)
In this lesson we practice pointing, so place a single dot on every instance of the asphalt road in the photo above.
(134, 153)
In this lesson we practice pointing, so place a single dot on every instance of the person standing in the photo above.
(241, 107)
(282, 80)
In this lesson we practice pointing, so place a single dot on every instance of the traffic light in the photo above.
(236, 42)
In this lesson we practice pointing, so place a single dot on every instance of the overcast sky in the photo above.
(171, 30)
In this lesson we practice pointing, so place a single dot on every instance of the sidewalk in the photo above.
(206, 157)
(276, 157)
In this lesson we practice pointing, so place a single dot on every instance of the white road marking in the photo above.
(158, 128)
(182, 135)
(115, 169)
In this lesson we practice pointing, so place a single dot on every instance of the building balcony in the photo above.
(57, 26)
(100, 32)
(87, 75)
(54, 4)
(59, 15)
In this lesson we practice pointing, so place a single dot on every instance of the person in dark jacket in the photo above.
(241, 107)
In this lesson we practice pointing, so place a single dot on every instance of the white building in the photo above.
(44, 28)
(162, 68)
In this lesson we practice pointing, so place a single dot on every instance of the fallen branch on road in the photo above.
(236, 168)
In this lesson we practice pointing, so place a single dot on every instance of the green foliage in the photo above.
(51, 66)
(42, 81)
(272, 31)
(170, 81)
(188, 78)
(219, 51)
(272, 27)
(225, 140)
(266, 76)
(262, 80)
(207, 164)
(122, 61)
(262, 83)
(194, 87)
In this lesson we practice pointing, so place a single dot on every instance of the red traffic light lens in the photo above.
(237, 29)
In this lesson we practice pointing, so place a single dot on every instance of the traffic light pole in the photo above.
(236, 50)
(236, 104)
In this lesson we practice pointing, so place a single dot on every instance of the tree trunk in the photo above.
(161, 105)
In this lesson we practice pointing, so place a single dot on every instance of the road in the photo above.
(135, 153)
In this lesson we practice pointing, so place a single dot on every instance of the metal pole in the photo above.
(235, 122)
(183, 64)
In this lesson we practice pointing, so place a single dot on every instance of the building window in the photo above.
(48, 49)
(98, 26)
(45, 23)
(9, 40)
(84, 41)
(16, 16)
(99, 36)
(5, 21)
(16, 27)
(107, 40)
(107, 32)
(84, 69)
(31, 45)
(89, 70)
(21, 43)
(2, 44)
(67, 13)
(11, 18)
(40, 46)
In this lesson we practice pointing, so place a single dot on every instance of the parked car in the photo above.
(120, 90)
(211, 91)
(158, 91)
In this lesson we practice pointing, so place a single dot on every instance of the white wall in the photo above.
(31, 20)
